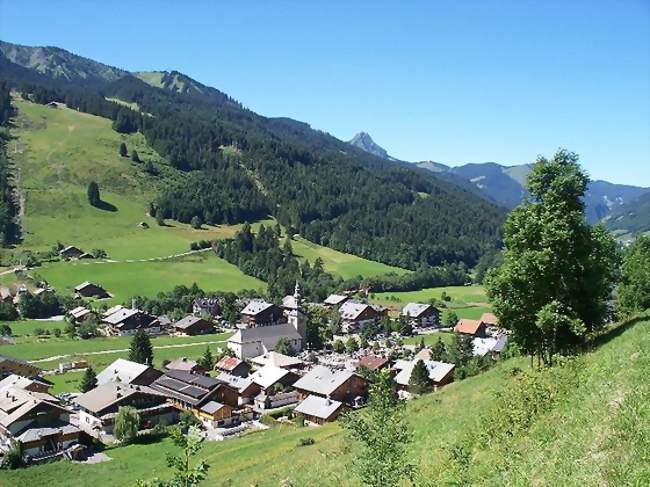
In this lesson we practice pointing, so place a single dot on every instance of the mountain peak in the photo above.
(363, 141)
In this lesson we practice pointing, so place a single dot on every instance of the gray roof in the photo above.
(277, 359)
(79, 287)
(437, 371)
(413, 310)
(335, 299)
(101, 397)
(501, 343)
(121, 370)
(268, 335)
(182, 363)
(186, 386)
(35, 434)
(318, 407)
(268, 375)
(239, 383)
(255, 307)
(211, 407)
(120, 315)
(187, 321)
(322, 380)
(350, 310)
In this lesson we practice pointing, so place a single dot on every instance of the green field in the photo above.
(590, 438)
(345, 265)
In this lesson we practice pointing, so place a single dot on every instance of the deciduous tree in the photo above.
(634, 291)
(127, 424)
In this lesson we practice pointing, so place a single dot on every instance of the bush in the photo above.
(38, 331)
(268, 420)
(8, 312)
(5, 330)
(57, 332)
(306, 441)
(299, 420)
(13, 458)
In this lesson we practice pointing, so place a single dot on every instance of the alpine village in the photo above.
(195, 294)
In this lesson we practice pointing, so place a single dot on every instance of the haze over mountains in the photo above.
(505, 186)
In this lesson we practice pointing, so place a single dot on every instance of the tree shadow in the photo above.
(106, 206)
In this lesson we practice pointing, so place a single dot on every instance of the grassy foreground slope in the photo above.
(595, 435)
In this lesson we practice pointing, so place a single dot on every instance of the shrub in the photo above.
(306, 441)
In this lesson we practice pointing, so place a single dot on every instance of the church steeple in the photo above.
(296, 317)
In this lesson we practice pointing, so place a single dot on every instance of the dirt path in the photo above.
(120, 350)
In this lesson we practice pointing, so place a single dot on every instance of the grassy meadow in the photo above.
(593, 436)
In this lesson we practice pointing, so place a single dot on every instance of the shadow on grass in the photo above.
(618, 330)
(106, 206)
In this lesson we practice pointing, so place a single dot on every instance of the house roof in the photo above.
(120, 315)
(255, 307)
(481, 346)
(289, 301)
(277, 359)
(211, 407)
(489, 319)
(470, 327)
(19, 381)
(351, 310)
(424, 354)
(188, 321)
(414, 310)
(323, 380)
(501, 343)
(79, 312)
(13, 397)
(103, 396)
(86, 284)
(111, 310)
(186, 386)
(121, 370)
(335, 299)
(239, 383)
(228, 363)
(318, 407)
(268, 375)
(182, 363)
(437, 371)
(6, 358)
(268, 335)
(28, 406)
(373, 362)
(35, 434)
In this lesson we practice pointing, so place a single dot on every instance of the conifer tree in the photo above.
(134, 156)
(141, 350)
(419, 381)
(88, 380)
(94, 197)
(123, 151)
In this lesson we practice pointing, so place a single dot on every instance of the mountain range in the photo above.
(232, 165)
(505, 185)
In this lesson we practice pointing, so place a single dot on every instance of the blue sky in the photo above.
(454, 82)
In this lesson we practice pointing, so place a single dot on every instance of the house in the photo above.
(475, 328)
(126, 372)
(440, 373)
(194, 392)
(10, 365)
(373, 362)
(32, 384)
(260, 313)
(499, 346)
(42, 291)
(278, 360)
(489, 319)
(206, 307)
(233, 366)
(270, 387)
(127, 321)
(240, 384)
(186, 365)
(99, 407)
(341, 385)
(252, 342)
(192, 325)
(422, 315)
(319, 410)
(90, 290)
(355, 316)
(80, 313)
(334, 300)
(112, 310)
(37, 421)
(71, 252)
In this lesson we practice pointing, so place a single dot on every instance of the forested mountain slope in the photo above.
(242, 166)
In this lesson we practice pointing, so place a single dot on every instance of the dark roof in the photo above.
(186, 386)
(187, 322)
(373, 362)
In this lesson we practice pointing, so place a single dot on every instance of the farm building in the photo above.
(80, 313)
(192, 325)
(90, 290)
(373, 362)
(334, 300)
(32, 384)
(71, 252)
(206, 307)
(127, 321)
(423, 315)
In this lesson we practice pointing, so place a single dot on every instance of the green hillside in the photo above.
(593, 434)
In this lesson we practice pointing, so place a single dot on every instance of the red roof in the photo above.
(228, 363)
(469, 327)
(373, 362)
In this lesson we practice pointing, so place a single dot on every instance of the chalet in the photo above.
(422, 315)
(440, 373)
(260, 313)
(492, 345)
(186, 365)
(80, 314)
(99, 407)
(335, 300)
(373, 362)
(71, 252)
(126, 372)
(10, 365)
(32, 384)
(252, 342)
(211, 400)
(475, 328)
(127, 321)
(192, 325)
(233, 366)
(37, 421)
(278, 360)
(90, 290)
(206, 307)
(319, 410)
(344, 386)
(356, 316)
(489, 319)
(270, 387)
(239, 384)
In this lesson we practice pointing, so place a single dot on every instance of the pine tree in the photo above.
(88, 381)
(419, 381)
(93, 194)
(141, 350)
(207, 360)
(123, 151)
(439, 351)
(134, 156)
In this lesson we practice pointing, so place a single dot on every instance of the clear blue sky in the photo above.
(451, 81)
